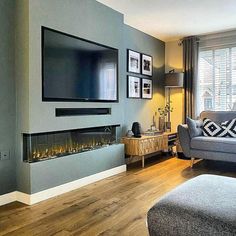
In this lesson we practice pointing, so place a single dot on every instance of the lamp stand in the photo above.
(168, 123)
(169, 91)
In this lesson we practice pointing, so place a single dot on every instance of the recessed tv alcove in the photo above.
(76, 69)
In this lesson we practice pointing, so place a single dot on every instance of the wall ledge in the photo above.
(31, 199)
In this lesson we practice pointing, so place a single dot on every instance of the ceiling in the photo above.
(173, 19)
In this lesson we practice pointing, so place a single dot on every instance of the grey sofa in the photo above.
(211, 148)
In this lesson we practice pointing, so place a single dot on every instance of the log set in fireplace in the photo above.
(50, 145)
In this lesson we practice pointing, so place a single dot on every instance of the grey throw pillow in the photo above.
(194, 127)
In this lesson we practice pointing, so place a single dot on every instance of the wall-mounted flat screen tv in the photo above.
(75, 69)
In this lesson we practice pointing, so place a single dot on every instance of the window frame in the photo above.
(213, 49)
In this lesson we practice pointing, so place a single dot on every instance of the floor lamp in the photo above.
(172, 80)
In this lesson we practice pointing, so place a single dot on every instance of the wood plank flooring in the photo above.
(114, 206)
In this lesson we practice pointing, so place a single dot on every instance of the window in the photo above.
(217, 78)
(208, 104)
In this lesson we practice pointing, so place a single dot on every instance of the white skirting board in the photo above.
(7, 198)
(30, 199)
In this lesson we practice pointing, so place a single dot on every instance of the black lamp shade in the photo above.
(174, 80)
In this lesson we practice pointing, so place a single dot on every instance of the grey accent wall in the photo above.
(49, 174)
(143, 110)
(22, 64)
(86, 19)
(90, 20)
(7, 95)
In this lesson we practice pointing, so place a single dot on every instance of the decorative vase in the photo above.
(168, 126)
(162, 124)
(136, 129)
(129, 134)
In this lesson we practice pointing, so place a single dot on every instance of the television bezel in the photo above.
(51, 99)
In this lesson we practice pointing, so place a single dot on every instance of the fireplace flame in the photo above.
(64, 150)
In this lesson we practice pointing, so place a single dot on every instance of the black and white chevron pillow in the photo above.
(212, 129)
(230, 126)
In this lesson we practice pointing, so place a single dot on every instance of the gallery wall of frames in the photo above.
(139, 81)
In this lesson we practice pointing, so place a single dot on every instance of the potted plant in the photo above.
(163, 124)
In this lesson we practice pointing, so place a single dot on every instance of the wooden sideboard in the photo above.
(148, 144)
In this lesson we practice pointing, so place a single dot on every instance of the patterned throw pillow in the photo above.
(212, 129)
(230, 126)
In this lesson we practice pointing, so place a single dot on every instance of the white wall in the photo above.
(174, 60)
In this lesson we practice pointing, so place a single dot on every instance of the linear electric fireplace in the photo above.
(50, 145)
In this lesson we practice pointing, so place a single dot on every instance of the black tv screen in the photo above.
(75, 69)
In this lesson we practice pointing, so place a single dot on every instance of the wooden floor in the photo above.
(114, 206)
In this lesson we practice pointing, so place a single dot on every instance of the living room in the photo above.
(95, 97)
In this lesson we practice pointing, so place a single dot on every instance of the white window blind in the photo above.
(217, 78)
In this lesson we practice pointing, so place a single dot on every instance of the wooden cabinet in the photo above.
(148, 144)
(169, 140)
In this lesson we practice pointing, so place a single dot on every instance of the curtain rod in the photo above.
(214, 36)
(202, 40)
(180, 42)
(218, 45)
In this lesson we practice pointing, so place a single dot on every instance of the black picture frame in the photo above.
(147, 93)
(146, 65)
(137, 57)
(130, 93)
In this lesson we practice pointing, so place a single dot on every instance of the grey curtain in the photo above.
(190, 64)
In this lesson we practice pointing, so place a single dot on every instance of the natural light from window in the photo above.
(217, 79)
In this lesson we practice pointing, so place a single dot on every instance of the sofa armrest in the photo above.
(184, 139)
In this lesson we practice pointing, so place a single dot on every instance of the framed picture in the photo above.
(147, 88)
(133, 87)
(133, 61)
(146, 65)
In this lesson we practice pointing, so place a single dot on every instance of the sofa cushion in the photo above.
(194, 127)
(215, 144)
(218, 116)
(212, 129)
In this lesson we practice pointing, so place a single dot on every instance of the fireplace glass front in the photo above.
(45, 146)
